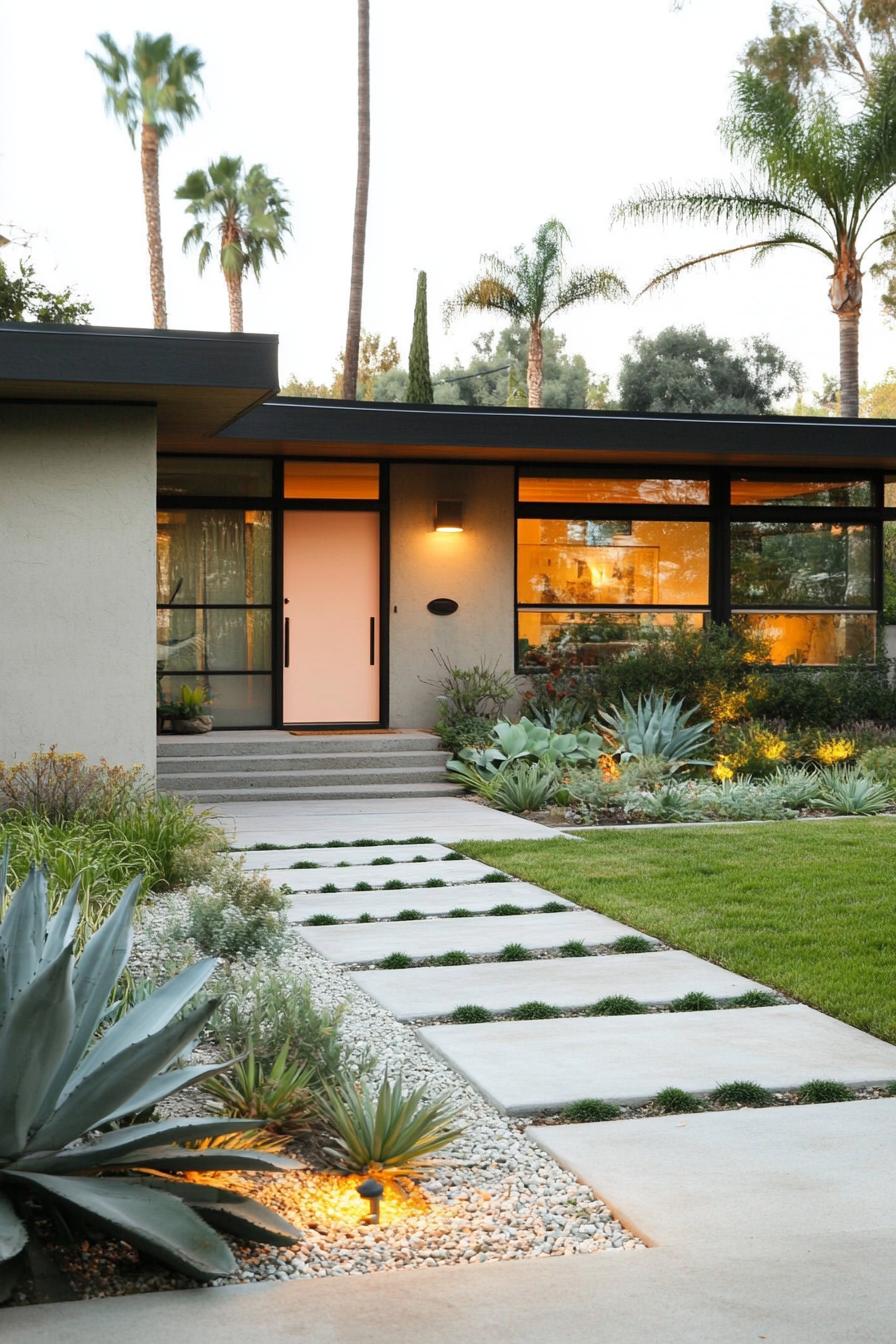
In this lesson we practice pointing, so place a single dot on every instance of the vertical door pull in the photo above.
(372, 640)
(286, 642)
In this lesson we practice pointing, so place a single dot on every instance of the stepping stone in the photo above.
(312, 879)
(533, 1066)
(483, 936)
(479, 898)
(740, 1180)
(568, 982)
(331, 858)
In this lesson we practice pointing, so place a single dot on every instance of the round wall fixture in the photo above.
(442, 606)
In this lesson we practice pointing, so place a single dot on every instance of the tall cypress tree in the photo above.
(419, 379)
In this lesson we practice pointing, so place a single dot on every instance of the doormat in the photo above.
(343, 732)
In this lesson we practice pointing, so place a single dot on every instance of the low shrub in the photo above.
(395, 884)
(409, 914)
(754, 998)
(261, 1009)
(496, 877)
(553, 908)
(304, 864)
(533, 1010)
(366, 918)
(514, 952)
(318, 921)
(329, 888)
(880, 762)
(755, 748)
(435, 882)
(505, 908)
(574, 948)
(825, 697)
(451, 857)
(459, 912)
(675, 800)
(396, 961)
(675, 1101)
(470, 700)
(694, 1002)
(741, 1094)
(468, 1014)
(361, 886)
(237, 914)
(381, 861)
(62, 785)
(819, 1090)
(632, 942)
(742, 800)
(615, 1005)
(457, 958)
(589, 1111)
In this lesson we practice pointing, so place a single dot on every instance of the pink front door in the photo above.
(331, 617)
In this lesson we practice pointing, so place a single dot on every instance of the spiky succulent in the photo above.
(388, 1128)
(71, 1090)
(657, 726)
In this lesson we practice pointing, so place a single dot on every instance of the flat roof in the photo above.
(199, 381)
(304, 427)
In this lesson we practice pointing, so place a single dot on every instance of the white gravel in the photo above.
(494, 1196)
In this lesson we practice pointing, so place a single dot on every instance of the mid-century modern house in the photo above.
(167, 519)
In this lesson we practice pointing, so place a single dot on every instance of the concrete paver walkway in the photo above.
(334, 858)
(571, 982)
(530, 1066)
(477, 897)
(312, 879)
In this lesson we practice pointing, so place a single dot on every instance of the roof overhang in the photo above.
(198, 381)
(300, 427)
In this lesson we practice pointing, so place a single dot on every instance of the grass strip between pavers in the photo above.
(808, 910)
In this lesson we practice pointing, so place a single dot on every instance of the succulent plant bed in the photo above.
(492, 1195)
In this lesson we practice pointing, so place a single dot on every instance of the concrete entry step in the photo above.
(568, 982)
(431, 901)
(305, 763)
(742, 1180)
(483, 936)
(251, 780)
(319, 792)
(279, 742)
(459, 871)
(525, 1067)
(276, 859)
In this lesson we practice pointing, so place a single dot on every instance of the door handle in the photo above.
(372, 640)
(286, 642)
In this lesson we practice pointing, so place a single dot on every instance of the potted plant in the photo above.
(187, 712)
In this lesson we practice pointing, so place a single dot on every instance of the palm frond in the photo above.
(672, 271)
(487, 294)
(728, 204)
(582, 285)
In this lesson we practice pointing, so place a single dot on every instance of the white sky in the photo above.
(489, 116)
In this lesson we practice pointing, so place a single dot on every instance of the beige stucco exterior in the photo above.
(77, 581)
(475, 567)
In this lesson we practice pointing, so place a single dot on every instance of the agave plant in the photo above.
(526, 786)
(277, 1096)
(70, 1090)
(656, 726)
(849, 792)
(390, 1129)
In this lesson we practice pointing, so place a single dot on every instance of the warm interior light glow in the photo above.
(449, 515)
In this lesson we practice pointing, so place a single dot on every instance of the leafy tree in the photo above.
(817, 178)
(531, 289)
(688, 370)
(23, 298)
(242, 214)
(152, 88)
(377, 358)
(807, 49)
(496, 375)
(352, 355)
(419, 388)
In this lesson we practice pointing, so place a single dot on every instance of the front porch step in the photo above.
(306, 793)
(283, 779)
(173, 767)
(274, 742)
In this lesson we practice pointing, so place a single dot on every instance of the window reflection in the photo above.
(800, 564)
(816, 638)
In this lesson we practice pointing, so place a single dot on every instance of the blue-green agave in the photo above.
(69, 1093)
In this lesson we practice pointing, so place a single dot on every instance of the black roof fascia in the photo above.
(297, 420)
(106, 356)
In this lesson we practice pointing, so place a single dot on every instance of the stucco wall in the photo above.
(474, 567)
(77, 581)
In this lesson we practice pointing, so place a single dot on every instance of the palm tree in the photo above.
(532, 289)
(250, 214)
(362, 184)
(152, 87)
(817, 180)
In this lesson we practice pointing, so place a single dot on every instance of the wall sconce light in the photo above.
(372, 1191)
(449, 515)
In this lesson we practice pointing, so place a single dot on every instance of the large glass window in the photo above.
(242, 477)
(611, 490)
(801, 564)
(213, 581)
(800, 491)
(608, 562)
(595, 635)
(816, 637)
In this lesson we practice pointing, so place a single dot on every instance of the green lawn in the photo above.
(806, 907)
